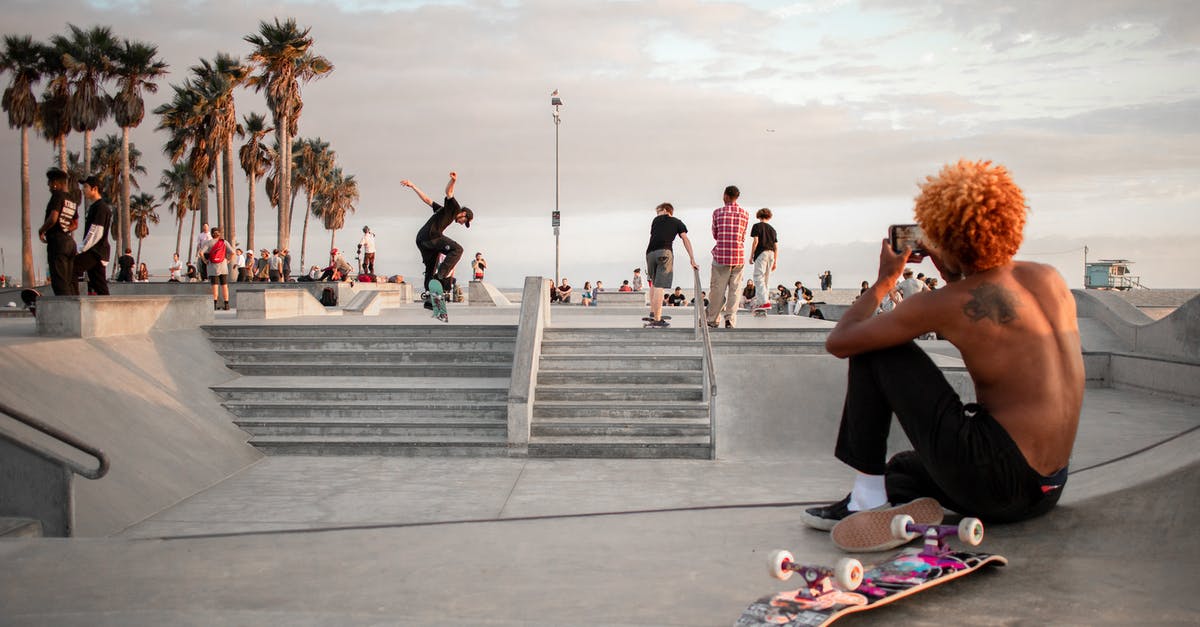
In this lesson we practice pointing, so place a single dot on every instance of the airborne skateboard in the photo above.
(29, 298)
(437, 297)
(828, 594)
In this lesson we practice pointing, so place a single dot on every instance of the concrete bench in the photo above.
(104, 316)
(614, 298)
(267, 304)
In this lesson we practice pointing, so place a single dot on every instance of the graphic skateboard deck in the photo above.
(830, 593)
(437, 297)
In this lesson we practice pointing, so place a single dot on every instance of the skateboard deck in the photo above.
(437, 296)
(29, 297)
(909, 572)
(648, 318)
(830, 593)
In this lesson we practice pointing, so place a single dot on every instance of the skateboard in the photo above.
(29, 298)
(828, 594)
(649, 324)
(760, 313)
(437, 296)
(648, 318)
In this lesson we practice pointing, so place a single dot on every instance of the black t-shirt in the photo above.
(676, 300)
(99, 214)
(767, 239)
(58, 237)
(443, 216)
(125, 262)
(663, 231)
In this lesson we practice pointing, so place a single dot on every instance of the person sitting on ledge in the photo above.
(1002, 458)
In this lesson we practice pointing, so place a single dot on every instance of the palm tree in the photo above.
(179, 188)
(87, 55)
(255, 158)
(111, 158)
(53, 122)
(135, 68)
(338, 196)
(142, 214)
(22, 57)
(216, 81)
(283, 59)
(190, 140)
(313, 163)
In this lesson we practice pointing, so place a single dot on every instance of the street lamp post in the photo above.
(557, 103)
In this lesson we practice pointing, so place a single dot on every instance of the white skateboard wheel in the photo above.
(970, 531)
(848, 573)
(900, 523)
(777, 563)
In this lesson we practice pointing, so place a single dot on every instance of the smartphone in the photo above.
(906, 235)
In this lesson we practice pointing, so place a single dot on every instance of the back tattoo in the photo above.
(992, 302)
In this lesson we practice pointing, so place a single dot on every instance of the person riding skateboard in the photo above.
(432, 242)
(1002, 458)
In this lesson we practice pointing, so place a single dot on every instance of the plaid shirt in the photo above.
(729, 229)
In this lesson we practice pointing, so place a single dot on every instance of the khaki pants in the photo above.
(724, 292)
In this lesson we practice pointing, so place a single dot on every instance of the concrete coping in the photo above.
(104, 316)
(267, 304)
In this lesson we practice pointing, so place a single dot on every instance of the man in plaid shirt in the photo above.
(729, 230)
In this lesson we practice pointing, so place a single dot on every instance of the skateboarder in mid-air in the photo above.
(432, 242)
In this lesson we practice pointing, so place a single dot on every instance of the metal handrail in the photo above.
(702, 331)
(99, 471)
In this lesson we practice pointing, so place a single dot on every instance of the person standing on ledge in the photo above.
(61, 220)
(93, 254)
(216, 254)
(729, 230)
(660, 257)
(367, 247)
(431, 241)
(1003, 458)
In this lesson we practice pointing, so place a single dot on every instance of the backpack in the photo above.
(216, 254)
(329, 297)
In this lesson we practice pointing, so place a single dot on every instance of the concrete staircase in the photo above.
(620, 393)
(369, 389)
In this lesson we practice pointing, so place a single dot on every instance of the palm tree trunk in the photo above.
(304, 237)
(203, 208)
(191, 238)
(218, 188)
(230, 205)
(285, 181)
(178, 234)
(250, 213)
(332, 235)
(87, 153)
(137, 263)
(62, 153)
(26, 223)
(123, 205)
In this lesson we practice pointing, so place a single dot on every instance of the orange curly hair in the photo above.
(974, 212)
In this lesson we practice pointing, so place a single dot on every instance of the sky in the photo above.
(829, 112)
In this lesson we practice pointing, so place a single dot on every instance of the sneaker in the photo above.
(658, 324)
(825, 517)
(728, 324)
(863, 532)
(428, 305)
(763, 307)
(713, 325)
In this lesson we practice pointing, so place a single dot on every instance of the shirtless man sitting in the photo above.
(1001, 459)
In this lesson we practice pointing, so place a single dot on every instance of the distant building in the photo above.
(1110, 274)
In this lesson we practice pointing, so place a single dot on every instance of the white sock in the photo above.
(869, 492)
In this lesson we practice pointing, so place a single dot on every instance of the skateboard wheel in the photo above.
(777, 564)
(848, 572)
(970, 531)
(900, 524)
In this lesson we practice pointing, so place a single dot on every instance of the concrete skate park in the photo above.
(526, 464)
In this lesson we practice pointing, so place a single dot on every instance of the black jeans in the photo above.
(89, 263)
(431, 249)
(962, 457)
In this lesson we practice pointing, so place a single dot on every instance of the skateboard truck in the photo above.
(968, 530)
(818, 580)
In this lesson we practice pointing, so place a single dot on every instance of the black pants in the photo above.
(962, 457)
(62, 274)
(89, 262)
(431, 249)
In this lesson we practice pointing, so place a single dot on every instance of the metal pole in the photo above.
(556, 228)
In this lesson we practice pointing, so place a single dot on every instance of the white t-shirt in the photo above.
(368, 242)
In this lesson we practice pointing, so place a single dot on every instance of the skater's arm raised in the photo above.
(409, 184)
(450, 185)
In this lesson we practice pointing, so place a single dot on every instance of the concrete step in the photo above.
(365, 409)
(448, 427)
(282, 368)
(355, 391)
(609, 361)
(637, 393)
(362, 343)
(627, 347)
(681, 333)
(258, 356)
(15, 527)
(569, 409)
(742, 334)
(602, 426)
(765, 347)
(614, 447)
(411, 446)
(377, 331)
(650, 378)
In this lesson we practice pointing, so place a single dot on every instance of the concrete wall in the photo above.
(345, 290)
(269, 304)
(103, 316)
(143, 400)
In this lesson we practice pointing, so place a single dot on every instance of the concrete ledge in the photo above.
(613, 298)
(104, 316)
(268, 304)
(482, 294)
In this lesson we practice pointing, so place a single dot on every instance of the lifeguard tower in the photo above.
(1110, 274)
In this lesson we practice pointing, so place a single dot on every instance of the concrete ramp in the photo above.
(482, 294)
